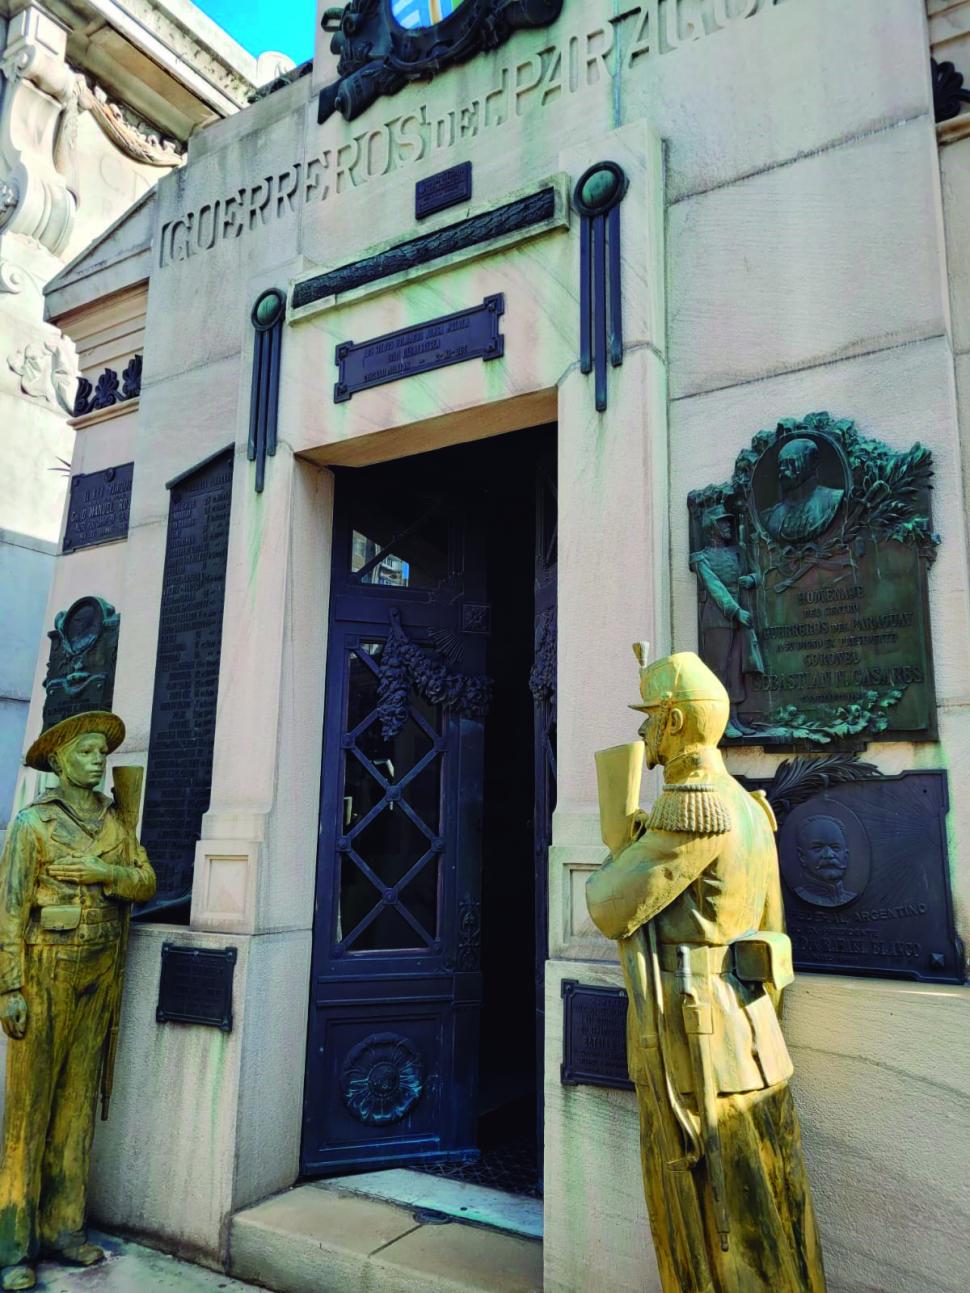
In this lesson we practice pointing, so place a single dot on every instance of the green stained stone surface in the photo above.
(599, 189)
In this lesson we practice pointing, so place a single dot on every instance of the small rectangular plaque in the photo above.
(594, 1036)
(99, 506)
(446, 189)
(196, 986)
(452, 339)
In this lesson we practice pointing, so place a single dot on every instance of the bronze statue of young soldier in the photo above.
(692, 894)
(71, 867)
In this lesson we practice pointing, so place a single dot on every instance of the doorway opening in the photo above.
(425, 1042)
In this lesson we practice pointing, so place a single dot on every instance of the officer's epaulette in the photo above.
(694, 808)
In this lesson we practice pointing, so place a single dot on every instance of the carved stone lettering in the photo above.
(187, 673)
(572, 63)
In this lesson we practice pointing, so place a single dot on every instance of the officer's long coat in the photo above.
(705, 872)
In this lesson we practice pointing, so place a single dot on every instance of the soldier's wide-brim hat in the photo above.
(683, 677)
(69, 729)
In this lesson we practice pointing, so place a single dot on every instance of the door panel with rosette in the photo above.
(392, 1056)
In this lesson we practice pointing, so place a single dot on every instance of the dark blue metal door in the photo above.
(392, 1060)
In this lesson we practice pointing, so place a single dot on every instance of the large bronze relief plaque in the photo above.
(811, 567)
(865, 869)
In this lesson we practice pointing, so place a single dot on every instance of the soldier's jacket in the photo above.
(705, 887)
(49, 831)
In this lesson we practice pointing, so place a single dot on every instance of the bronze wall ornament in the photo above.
(384, 44)
(81, 664)
(597, 198)
(949, 94)
(109, 389)
(514, 217)
(267, 319)
(812, 568)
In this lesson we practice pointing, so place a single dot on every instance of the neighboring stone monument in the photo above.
(728, 1198)
(71, 867)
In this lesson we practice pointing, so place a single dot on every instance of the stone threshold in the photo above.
(313, 1240)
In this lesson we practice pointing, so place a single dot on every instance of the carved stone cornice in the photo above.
(39, 87)
(43, 100)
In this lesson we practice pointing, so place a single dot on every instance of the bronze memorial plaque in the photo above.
(594, 1036)
(812, 565)
(865, 871)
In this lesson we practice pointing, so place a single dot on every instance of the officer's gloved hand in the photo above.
(13, 1014)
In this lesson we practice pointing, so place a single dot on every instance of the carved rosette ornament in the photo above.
(384, 44)
(382, 1079)
(812, 565)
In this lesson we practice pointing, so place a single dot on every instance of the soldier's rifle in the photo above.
(127, 784)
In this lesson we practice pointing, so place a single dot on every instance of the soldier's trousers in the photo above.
(52, 1085)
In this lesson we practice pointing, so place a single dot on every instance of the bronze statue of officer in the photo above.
(693, 896)
(71, 868)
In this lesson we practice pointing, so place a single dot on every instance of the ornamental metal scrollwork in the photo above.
(542, 679)
(384, 44)
(469, 935)
(405, 665)
(949, 94)
(109, 390)
(382, 1079)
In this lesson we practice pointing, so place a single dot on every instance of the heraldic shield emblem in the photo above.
(418, 15)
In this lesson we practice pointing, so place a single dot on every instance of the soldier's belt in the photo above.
(762, 957)
(67, 918)
(704, 959)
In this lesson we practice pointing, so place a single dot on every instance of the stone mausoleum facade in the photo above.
(419, 421)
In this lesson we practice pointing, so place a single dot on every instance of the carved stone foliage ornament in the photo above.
(811, 567)
(384, 44)
(47, 372)
(382, 1079)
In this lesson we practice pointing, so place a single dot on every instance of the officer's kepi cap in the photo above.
(680, 677)
(110, 727)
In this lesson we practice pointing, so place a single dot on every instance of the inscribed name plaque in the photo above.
(81, 664)
(594, 1036)
(195, 986)
(452, 339)
(446, 189)
(187, 674)
(866, 877)
(812, 565)
(98, 507)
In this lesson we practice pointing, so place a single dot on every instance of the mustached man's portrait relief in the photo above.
(823, 856)
(806, 507)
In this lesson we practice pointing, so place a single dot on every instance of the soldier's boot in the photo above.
(21, 1276)
(79, 1254)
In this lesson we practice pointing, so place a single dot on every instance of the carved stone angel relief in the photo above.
(812, 566)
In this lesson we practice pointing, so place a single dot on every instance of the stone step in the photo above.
(309, 1240)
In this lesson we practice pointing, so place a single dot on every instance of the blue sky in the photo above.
(258, 25)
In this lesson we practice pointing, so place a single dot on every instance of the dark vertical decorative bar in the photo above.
(599, 310)
(585, 298)
(597, 198)
(267, 319)
(616, 288)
